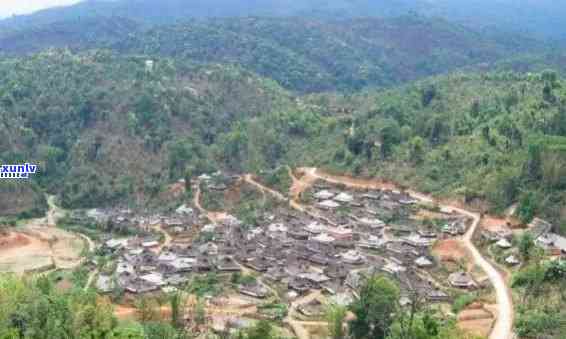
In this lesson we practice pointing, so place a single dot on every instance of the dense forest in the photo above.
(302, 54)
(541, 18)
(492, 137)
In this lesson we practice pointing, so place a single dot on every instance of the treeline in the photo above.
(301, 54)
(35, 308)
(495, 137)
(105, 129)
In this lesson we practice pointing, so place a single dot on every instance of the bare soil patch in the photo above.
(476, 320)
(450, 250)
(13, 240)
(36, 248)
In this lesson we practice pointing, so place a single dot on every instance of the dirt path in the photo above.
(249, 179)
(214, 217)
(46, 247)
(297, 325)
(90, 279)
(504, 323)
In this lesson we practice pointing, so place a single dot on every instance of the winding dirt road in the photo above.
(503, 328)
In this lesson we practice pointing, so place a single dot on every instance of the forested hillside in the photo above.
(496, 137)
(106, 129)
(540, 18)
(302, 54)
(311, 55)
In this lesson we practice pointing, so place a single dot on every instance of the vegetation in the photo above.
(540, 310)
(462, 301)
(379, 315)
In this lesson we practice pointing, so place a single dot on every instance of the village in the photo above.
(303, 250)
(326, 245)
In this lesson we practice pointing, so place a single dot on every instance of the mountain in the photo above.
(104, 129)
(541, 18)
(306, 55)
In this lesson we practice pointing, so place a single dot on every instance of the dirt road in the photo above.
(504, 323)
(214, 217)
(249, 179)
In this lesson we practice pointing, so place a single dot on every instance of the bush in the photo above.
(534, 322)
(462, 301)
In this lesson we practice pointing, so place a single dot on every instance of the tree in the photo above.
(145, 309)
(390, 136)
(177, 307)
(417, 150)
(428, 93)
(261, 330)
(533, 166)
(526, 245)
(335, 315)
(375, 309)
(528, 205)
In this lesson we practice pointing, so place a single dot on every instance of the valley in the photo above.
(343, 236)
(231, 169)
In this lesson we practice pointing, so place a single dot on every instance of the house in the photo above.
(394, 268)
(183, 264)
(105, 283)
(298, 234)
(552, 241)
(184, 210)
(277, 273)
(373, 242)
(454, 228)
(503, 243)
(512, 260)
(258, 264)
(154, 278)
(125, 267)
(371, 196)
(227, 264)
(344, 198)
(423, 262)
(336, 271)
(176, 280)
(328, 204)
(416, 240)
(438, 296)
(324, 195)
(209, 248)
(277, 228)
(300, 285)
(340, 233)
(353, 257)
(315, 278)
(539, 227)
(461, 279)
(316, 228)
(115, 244)
(372, 223)
(138, 285)
(149, 66)
(313, 308)
(254, 289)
(323, 238)
(150, 244)
(166, 257)
(427, 234)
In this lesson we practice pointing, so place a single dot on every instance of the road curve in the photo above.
(503, 328)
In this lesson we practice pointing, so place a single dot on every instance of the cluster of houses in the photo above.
(353, 238)
(541, 232)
